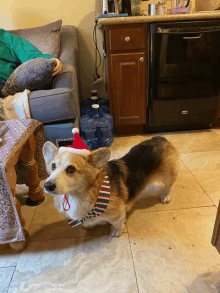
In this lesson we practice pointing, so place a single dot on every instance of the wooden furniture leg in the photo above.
(12, 177)
(31, 178)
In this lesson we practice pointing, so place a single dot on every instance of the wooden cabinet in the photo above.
(216, 123)
(126, 48)
(128, 88)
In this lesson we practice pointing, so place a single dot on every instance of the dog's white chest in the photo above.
(71, 206)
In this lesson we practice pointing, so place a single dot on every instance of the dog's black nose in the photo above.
(49, 186)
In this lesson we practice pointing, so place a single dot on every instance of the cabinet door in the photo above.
(128, 88)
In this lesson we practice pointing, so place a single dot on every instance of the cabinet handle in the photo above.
(127, 39)
(142, 59)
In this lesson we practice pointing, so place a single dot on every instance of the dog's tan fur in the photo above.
(82, 187)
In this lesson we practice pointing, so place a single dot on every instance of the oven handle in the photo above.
(161, 30)
(196, 37)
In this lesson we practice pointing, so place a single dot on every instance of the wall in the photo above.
(81, 13)
(206, 4)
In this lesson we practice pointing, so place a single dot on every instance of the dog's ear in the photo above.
(49, 151)
(99, 158)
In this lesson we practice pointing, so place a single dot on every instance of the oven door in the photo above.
(184, 60)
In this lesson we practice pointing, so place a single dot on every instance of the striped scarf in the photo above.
(100, 205)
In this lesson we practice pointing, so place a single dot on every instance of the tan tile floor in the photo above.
(164, 248)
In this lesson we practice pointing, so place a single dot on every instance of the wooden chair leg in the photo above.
(32, 180)
(19, 245)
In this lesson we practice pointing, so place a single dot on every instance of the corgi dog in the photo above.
(75, 180)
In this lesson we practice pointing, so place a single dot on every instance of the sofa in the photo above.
(57, 107)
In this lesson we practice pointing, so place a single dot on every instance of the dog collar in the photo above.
(100, 205)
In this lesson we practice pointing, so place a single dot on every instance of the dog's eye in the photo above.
(53, 166)
(70, 169)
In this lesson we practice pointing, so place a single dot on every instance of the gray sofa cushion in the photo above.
(33, 75)
(45, 38)
(54, 105)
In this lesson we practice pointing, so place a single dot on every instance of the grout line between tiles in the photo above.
(11, 279)
(200, 185)
(18, 258)
(133, 260)
(213, 205)
(8, 267)
(198, 182)
(32, 219)
(210, 198)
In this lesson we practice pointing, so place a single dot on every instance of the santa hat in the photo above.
(78, 147)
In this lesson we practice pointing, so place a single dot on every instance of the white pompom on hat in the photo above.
(78, 147)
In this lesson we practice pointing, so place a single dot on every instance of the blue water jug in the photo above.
(97, 129)
(86, 109)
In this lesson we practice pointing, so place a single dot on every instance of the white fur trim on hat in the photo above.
(84, 153)
(75, 130)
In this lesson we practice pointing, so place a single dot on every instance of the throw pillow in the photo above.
(34, 74)
(45, 38)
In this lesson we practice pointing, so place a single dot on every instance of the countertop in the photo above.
(157, 18)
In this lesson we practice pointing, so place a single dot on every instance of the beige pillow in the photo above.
(45, 38)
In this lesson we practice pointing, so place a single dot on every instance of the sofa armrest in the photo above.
(67, 77)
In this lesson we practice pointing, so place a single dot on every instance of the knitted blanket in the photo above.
(13, 139)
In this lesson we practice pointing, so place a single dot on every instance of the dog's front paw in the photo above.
(115, 232)
(165, 199)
